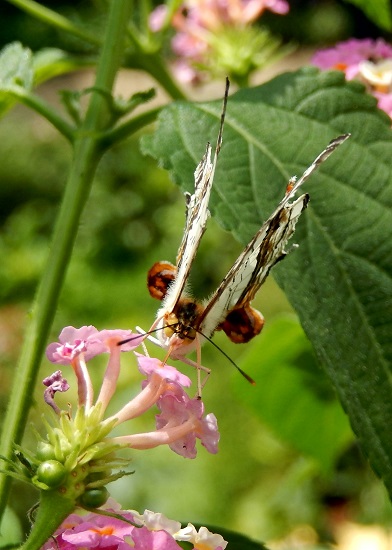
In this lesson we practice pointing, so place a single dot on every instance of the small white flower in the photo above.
(202, 539)
(378, 75)
(155, 521)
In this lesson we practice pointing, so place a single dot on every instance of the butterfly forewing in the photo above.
(197, 214)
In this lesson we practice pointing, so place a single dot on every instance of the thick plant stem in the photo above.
(87, 153)
(52, 511)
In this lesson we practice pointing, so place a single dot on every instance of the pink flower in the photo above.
(100, 531)
(384, 102)
(158, 17)
(208, 433)
(73, 342)
(96, 531)
(55, 382)
(198, 24)
(181, 420)
(177, 412)
(367, 60)
(114, 337)
(149, 531)
(148, 365)
(347, 56)
(144, 539)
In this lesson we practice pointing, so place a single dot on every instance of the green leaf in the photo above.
(51, 62)
(378, 11)
(291, 391)
(16, 71)
(340, 278)
(20, 70)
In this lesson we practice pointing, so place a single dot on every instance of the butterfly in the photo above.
(183, 323)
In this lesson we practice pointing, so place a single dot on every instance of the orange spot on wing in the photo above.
(159, 278)
(242, 324)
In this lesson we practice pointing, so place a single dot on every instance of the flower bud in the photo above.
(52, 473)
(94, 498)
(45, 451)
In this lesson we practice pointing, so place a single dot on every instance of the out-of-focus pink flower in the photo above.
(198, 25)
(143, 539)
(384, 102)
(367, 60)
(158, 17)
(347, 56)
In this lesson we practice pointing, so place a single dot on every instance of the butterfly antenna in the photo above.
(246, 376)
(144, 334)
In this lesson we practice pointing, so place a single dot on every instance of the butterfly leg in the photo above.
(200, 368)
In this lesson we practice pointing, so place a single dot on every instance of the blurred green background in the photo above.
(260, 482)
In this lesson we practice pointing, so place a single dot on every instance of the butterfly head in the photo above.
(183, 320)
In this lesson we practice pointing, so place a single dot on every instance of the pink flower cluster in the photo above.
(148, 531)
(197, 21)
(367, 60)
(181, 420)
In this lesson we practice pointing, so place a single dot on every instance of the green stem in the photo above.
(87, 153)
(128, 128)
(52, 511)
(152, 63)
(55, 20)
(43, 108)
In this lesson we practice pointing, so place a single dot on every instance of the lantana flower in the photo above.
(367, 60)
(125, 529)
(164, 383)
(77, 458)
(217, 36)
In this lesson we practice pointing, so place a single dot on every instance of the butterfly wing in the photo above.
(197, 214)
(253, 265)
(266, 248)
